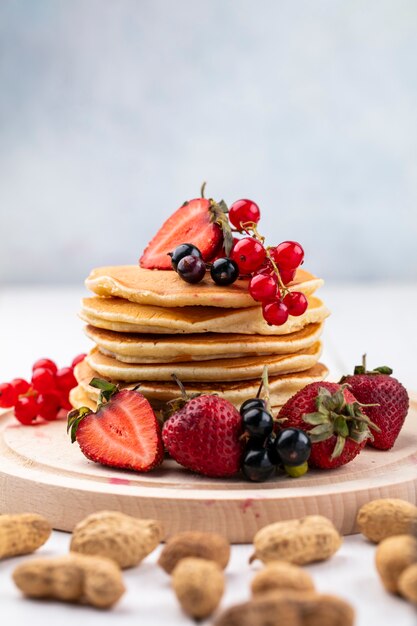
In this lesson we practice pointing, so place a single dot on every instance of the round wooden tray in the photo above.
(41, 472)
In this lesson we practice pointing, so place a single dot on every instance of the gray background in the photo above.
(112, 112)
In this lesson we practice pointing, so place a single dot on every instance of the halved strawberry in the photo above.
(124, 431)
(202, 222)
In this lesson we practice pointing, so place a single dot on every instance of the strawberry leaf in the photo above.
(316, 418)
(74, 418)
(339, 447)
(219, 213)
(107, 389)
(321, 432)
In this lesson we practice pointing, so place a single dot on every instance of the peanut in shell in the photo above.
(204, 545)
(387, 517)
(299, 541)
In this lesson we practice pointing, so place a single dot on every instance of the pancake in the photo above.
(79, 397)
(281, 387)
(123, 316)
(166, 289)
(240, 368)
(136, 348)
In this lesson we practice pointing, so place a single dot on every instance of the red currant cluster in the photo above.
(270, 268)
(44, 396)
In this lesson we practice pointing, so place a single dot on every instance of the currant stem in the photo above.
(251, 226)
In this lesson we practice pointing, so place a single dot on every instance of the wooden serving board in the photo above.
(40, 471)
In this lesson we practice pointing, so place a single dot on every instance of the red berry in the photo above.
(287, 276)
(275, 313)
(77, 359)
(266, 268)
(288, 255)
(49, 405)
(296, 303)
(8, 396)
(45, 363)
(64, 401)
(242, 212)
(65, 379)
(26, 409)
(263, 287)
(43, 380)
(20, 386)
(249, 254)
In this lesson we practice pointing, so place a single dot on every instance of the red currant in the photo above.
(287, 276)
(249, 254)
(64, 401)
(275, 313)
(65, 378)
(288, 255)
(77, 359)
(43, 380)
(266, 268)
(243, 212)
(49, 405)
(8, 396)
(45, 363)
(20, 386)
(26, 409)
(263, 287)
(296, 303)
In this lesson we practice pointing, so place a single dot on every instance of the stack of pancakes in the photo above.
(148, 325)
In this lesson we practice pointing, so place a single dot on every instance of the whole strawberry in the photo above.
(388, 394)
(205, 436)
(334, 420)
(123, 432)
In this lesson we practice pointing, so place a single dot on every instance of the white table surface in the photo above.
(378, 319)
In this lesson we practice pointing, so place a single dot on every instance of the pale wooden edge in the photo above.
(238, 517)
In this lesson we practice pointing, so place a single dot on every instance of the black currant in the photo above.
(255, 443)
(252, 403)
(257, 465)
(272, 451)
(258, 422)
(293, 446)
(224, 271)
(192, 269)
(184, 249)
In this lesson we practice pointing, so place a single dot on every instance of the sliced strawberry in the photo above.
(194, 222)
(124, 431)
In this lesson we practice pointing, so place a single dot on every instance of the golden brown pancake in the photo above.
(123, 316)
(141, 348)
(281, 387)
(166, 289)
(240, 368)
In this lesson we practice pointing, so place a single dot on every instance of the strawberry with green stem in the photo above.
(203, 434)
(334, 420)
(123, 432)
(390, 399)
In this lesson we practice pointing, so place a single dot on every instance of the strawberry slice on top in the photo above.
(201, 222)
(124, 431)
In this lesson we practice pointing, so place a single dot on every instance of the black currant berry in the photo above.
(293, 446)
(184, 249)
(252, 403)
(192, 269)
(272, 451)
(257, 466)
(258, 422)
(224, 271)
